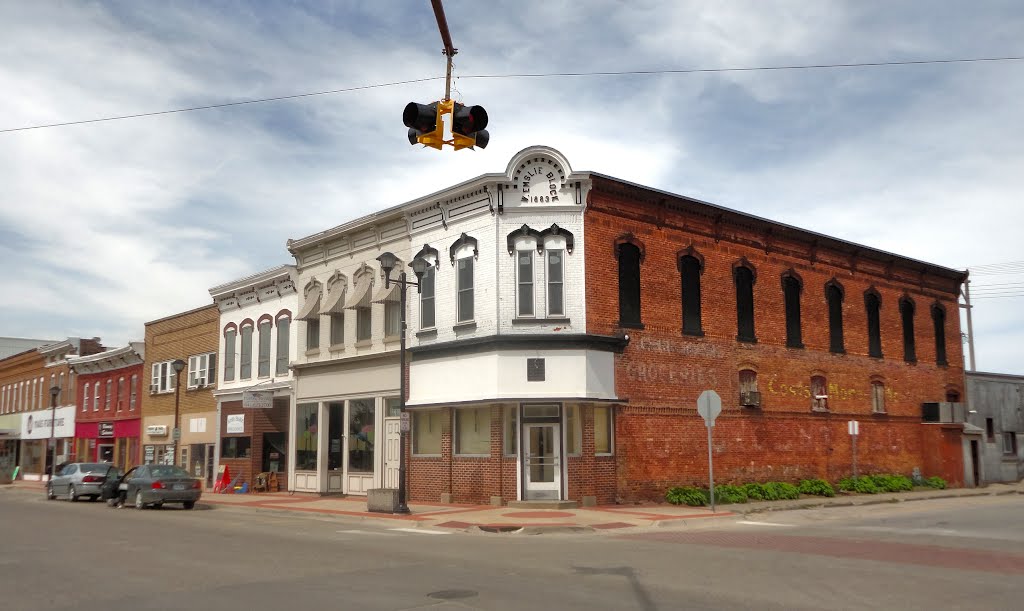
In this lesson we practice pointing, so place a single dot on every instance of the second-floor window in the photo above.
(744, 277)
(85, 397)
(689, 274)
(629, 285)
(834, 297)
(96, 397)
(392, 318)
(819, 394)
(202, 370)
(312, 334)
(245, 365)
(791, 296)
(162, 378)
(907, 316)
(133, 392)
(337, 329)
(364, 324)
(109, 393)
(878, 397)
(556, 280)
(229, 354)
(427, 299)
(939, 322)
(264, 354)
(465, 288)
(524, 283)
(283, 330)
(873, 304)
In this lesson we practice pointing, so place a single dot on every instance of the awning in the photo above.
(334, 302)
(311, 309)
(390, 293)
(360, 297)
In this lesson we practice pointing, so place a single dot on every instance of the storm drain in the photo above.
(500, 528)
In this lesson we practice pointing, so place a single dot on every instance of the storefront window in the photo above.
(426, 432)
(305, 436)
(511, 426)
(473, 431)
(572, 432)
(235, 447)
(361, 436)
(275, 449)
(602, 430)
(335, 433)
(394, 409)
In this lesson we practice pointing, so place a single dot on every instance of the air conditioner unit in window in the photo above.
(153, 388)
(750, 398)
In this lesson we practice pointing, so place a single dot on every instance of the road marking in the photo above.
(421, 531)
(751, 523)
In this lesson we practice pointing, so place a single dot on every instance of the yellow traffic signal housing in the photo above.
(426, 125)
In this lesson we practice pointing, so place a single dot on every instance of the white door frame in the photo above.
(553, 457)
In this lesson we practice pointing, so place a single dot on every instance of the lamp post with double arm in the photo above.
(179, 366)
(419, 267)
(54, 391)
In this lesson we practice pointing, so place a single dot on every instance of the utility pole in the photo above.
(970, 327)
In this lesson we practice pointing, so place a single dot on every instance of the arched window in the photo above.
(873, 305)
(230, 337)
(834, 297)
(939, 321)
(629, 285)
(744, 278)
(690, 269)
(791, 289)
(245, 361)
(907, 316)
(85, 398)
(284, 326)
(263, 359)
(749, 396)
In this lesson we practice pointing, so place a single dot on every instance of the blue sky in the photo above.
(104, 226)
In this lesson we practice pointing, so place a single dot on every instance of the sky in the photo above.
(107, 225)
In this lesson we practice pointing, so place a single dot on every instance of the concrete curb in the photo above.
(516, 529)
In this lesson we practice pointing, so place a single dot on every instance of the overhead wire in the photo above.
(516, 75)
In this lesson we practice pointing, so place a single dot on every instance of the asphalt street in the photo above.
(942, 554)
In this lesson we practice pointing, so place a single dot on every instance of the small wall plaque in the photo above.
(534, 370)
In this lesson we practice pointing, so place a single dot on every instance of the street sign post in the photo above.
(709, 405)
(854, 429)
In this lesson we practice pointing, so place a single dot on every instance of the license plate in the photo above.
(179, 486)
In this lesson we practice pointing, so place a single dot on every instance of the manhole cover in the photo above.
(452, 594)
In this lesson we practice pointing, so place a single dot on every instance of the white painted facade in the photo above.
(534, 209)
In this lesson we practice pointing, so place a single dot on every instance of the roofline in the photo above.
(819, 237)
(252, 280)
(138, 348)
(1003, 376)
(179, 314)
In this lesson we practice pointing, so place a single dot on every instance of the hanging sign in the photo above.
(256, 399)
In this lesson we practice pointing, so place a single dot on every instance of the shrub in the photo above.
(687, 495)
(777, 491)
(863, 484)
(935, 482)
(892, 483)
(816, 487)
(726, 494)
(755, 491)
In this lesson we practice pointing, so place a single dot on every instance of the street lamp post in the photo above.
(54, 391)
(178, 366)
(419, 267)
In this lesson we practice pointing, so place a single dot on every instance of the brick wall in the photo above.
(660, 439)
(116, 412)
(179, 337)
(257, 422)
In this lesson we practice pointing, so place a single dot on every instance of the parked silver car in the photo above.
(158, 484)
(78, 479)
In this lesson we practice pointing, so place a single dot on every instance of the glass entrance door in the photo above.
(541, 462)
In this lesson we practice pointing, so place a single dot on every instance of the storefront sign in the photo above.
(156, 430)
(106, 429)
(36, 425)
(254, 399)
(150, 452)
(236, 423)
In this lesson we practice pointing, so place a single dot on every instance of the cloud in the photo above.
(104, 226)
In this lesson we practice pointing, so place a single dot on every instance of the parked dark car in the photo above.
(78, 479)
(154, 485)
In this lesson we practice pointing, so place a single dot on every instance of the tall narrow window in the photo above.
(313, 334)
(85, 398)
(819, 394)
(465, 288)
(689, 272)
(878, 397)
(264, 355)
(873, 304)
(96, 397)
(939, 321)
(604, 430)
(744, 277)
(749, 396)
(427, 299)
(834, 297)
(524, 283)
(364, 324)
(556, 279)
(60, 397)
(907, 316)
(791, 288)
(133, 392)
(392, 318)
(629, 285)
(337, 329)
(245, 366)
(229, 354)
(120, 394)
(283, 338)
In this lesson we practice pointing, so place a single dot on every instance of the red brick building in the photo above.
(798, 332)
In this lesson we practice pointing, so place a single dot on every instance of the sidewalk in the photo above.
(487, 518)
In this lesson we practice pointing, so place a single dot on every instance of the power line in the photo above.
(519, 75)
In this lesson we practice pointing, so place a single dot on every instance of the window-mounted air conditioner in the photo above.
(750, 398)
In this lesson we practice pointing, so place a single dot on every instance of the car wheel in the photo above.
(49, 492)
(189, 504)
(138, 501)
(71, 494)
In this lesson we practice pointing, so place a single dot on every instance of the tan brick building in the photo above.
(191, 337)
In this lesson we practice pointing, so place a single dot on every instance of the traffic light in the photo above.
(424, 123)
(468, 123)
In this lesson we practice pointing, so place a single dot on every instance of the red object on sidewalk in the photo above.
(224, 481)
